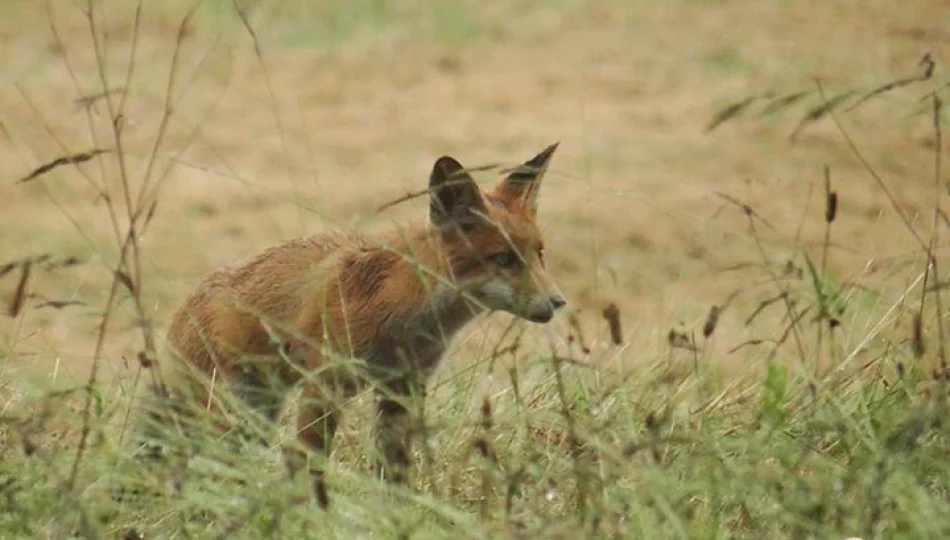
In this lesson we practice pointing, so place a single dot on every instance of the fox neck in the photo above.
(445, 308)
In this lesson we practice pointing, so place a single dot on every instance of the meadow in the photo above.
(746, 213)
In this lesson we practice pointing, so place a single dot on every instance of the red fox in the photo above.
(310, 311)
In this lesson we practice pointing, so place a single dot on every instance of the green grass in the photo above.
(725, 62)
(634, 454)
(331, 25)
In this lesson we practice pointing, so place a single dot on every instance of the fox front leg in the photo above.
(317, 422)
(398, 403)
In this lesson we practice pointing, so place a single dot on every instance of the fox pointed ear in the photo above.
(454, 197)
(522, 184)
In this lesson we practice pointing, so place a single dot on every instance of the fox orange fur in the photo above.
(308, 312)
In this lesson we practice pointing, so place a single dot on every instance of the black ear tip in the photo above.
(444, 168)
(447, 163)
(545, 155)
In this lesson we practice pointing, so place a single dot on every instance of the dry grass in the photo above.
(325, 114)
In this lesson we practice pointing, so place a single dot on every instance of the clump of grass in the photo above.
(579, 451)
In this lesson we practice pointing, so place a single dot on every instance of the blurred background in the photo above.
(254, 122)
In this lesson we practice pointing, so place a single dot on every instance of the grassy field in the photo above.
(757, 187)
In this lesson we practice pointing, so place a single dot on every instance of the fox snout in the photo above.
(533, 305)
(541, 302)
(541, 299)
(550, 306)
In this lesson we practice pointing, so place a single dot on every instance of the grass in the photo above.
(649, 453)
(776, 363)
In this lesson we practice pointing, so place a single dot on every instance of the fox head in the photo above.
(492, 242)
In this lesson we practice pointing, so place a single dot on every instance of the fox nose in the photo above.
(557, 302)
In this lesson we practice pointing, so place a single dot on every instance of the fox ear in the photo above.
(453, 195)
(522, 184)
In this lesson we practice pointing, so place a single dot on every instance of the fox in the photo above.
(331, 313)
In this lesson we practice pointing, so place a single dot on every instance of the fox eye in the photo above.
(505, 259)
